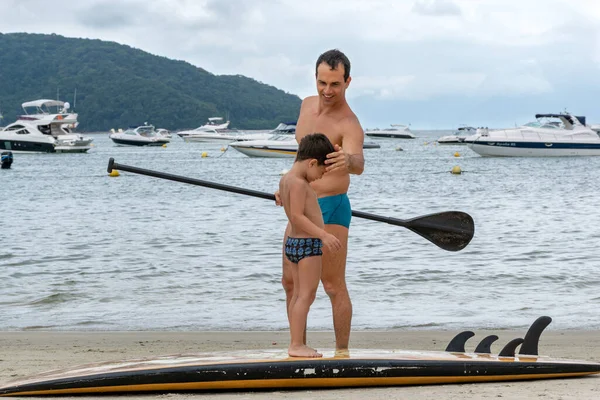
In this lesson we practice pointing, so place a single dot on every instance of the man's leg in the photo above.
(333, 276)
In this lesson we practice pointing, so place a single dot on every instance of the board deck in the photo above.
(273, 369)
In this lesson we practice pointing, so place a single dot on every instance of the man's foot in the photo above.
(303, 351)
(345, 353)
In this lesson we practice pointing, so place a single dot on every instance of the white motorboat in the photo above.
(551, 135)
(164, 133)
(40, 108)
(214, 131)
(216, 123)
(144, 135)
(277, 146)
(459, 136)
(207, 135)
(396, 131)
(284, 128)
(44, 132)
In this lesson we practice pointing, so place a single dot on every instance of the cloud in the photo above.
(436, 8)
(424, 52)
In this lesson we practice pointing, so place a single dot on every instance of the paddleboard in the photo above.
(273, 369)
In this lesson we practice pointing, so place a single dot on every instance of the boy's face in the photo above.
(315, 171)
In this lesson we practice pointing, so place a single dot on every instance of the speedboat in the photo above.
(164, 133)
(459, 136)
(214, 131)
(277, 146)
(44, 132)
(551, 135)
(284, 128)
(396, 131)
(209, 135)
(216, 123)
(144, 135)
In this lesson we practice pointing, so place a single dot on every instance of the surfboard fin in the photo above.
(457, 344)
(485, 346)
(510, 347)
(532, 337)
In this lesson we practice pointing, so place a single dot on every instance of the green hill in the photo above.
(119, 86)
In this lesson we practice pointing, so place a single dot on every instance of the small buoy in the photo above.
(114, 173)
(204, 154)
(223, 149)
(457, 154)
(456, 170)
(284, 171)
(164, 145)
(399, 148)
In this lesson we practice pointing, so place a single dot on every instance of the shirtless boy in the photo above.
(307, 236)
(329, 113)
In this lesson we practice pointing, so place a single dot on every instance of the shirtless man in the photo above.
(329, 113)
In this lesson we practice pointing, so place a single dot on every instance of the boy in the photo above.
(303, 246)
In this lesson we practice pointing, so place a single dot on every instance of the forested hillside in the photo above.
(119, 86)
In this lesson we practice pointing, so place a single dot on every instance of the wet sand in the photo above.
(31, 352)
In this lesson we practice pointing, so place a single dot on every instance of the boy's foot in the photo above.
(303, 351)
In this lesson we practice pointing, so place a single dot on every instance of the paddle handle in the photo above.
(233, 189)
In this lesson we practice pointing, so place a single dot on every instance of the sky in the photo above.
(433, 64)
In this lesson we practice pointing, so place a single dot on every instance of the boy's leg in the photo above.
(287, 277)
(306, 280)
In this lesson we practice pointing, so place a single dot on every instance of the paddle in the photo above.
(449, 230)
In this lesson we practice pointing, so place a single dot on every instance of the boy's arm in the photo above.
(300, 221)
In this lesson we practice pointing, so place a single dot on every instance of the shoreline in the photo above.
(25, 353)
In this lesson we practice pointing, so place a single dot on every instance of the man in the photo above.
(330, 114)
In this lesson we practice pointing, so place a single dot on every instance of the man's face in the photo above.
(330, 83)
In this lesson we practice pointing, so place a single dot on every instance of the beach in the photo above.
(30, 352)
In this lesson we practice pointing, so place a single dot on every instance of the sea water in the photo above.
(80, 250)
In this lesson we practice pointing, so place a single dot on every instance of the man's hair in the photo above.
(333, 58)
(315, 145)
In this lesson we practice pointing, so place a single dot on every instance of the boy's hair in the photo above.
(333, 58)
(315, 145)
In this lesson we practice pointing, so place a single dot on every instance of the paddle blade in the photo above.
(450, 230)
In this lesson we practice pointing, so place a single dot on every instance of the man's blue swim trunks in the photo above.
(336, 210)
(298, 248)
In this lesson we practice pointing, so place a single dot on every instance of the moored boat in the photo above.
(143, 135)
(397, 131)
(551, 135)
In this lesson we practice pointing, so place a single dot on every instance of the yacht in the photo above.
(459, 136)
(207, 135)
(38, 108)
(44, 132)
(143, 135)
(164, 133)
(215, 131)
(284, 128)
(277, 146)
(551, 135)
(396, 131)
(216, 123)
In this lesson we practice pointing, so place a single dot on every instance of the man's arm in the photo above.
(350, 155)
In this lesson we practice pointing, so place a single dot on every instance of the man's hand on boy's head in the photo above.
(338, 159)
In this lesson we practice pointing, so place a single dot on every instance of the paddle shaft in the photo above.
(234, 189)
(437, 231)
